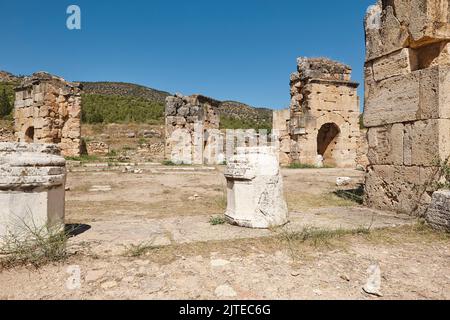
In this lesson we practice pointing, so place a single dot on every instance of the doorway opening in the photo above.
(326, 143)
(29, 135)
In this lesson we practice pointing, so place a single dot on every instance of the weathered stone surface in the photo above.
(48, 110)
(32, 188)
(438, 214)
(399, 188)
(395, 24)
(407, 80)
(192, 130)
(255, 189)
(419, 95)
(97, 148)
(323, 116)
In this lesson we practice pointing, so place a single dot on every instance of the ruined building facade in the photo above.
(407, 101)
(48, 110)
(322, 125)
(192, 130)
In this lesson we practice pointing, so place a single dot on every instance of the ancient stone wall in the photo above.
(48, 110)
(323, 116)
(407, 101)
(192, 130)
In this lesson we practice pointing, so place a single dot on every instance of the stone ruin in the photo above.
(322, 125)
(32, 189)
(48, 110)
(192, 130)
(255, 189)
(407, 97)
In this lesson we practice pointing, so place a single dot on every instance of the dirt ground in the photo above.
(148, 235)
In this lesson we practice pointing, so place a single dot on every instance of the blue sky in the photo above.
(241, 50)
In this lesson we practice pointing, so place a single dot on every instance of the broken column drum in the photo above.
(255, 189)
(32, 189)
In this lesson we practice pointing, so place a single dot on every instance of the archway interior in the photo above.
(29, 135)
(327, 142)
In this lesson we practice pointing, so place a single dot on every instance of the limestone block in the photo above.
(438, 214)
(420, 143)
(280, 119)
(420, 95)
(398, 24)
(395, 64)
(32, 179)
(399, 188)
(255, 189)
(386, 145)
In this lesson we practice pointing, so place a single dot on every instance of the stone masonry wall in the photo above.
(407, 101)
(192, 128)
(323, 115)
(48, 110)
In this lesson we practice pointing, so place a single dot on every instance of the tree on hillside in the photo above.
(5, 105)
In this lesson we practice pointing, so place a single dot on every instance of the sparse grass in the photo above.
(217, 220)
(128, 148)
(112, 153)
(139, 250)
(306, 166)
(33, 247)
(84, 158)
(304, 201)
(355, 195)
(316, 237)
(222, 201)
(170, 163)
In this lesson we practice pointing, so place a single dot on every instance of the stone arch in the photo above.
(341, 154)
(327, 140)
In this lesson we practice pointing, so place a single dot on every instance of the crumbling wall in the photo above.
(48, 110)
(192, 130)
(323, 115)
(407, 97)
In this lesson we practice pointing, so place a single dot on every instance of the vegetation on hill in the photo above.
(118, 102)
(7, 99)
(124, 90)
(97, 108)
(236, 115)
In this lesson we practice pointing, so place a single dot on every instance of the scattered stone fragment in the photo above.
(343, 181)
(225, 291)
(217, 263)
(109, 284)
(438, 214)
(373, 284)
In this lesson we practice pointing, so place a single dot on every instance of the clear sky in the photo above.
(241, 50)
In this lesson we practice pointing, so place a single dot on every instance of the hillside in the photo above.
(122, 89)
(237, 115)
(109, 102)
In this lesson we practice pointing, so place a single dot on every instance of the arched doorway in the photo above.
(29, 135)
(326, 143)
